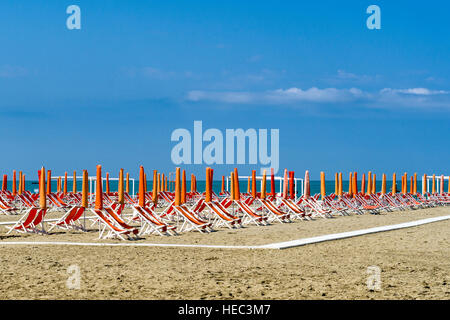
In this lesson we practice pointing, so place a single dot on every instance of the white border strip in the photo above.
(278, 245)
(336, 236)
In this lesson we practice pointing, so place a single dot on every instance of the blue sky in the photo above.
(343, 97)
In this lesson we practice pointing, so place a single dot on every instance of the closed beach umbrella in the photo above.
(5, 182)
(65, 183)
(369, 183)
(394, 183)
(307, 191)
(237, 192)
(223, 185)
(193, 182)
(20, 182)
(285, 184)
(155, 187)
(74, 186)
(411, 185)
(363, 184)
(107, 183)
(355, 183)
(127, 188)
(49, 181)
(248, 185)
(253, 183)
(263, 185)
(183, 187)
(42, 194)
(383, 184)
(291, 184)
(424, 184)
(232, 186)
(336, 183)
(145, 182)
(99, 189)
(177, 188)
(208, 193)
(14, 186)
(84, 190)
(340, 186)
(141, 187)
(415, 184)
(322, 184)
(373, 177)
(442, 184)
(272, 182)
(23, 183)
(120, 189)
(350, 185)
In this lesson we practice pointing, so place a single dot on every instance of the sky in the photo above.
(343, 97)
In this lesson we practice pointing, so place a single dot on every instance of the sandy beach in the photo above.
(414, 263)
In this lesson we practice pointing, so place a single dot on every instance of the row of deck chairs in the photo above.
(131, 220)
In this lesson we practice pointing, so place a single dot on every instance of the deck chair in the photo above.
(274, 213)
(70, 220)
(6, 208)
(191, 221)
(29, 221)
(249, 215)
(109, 227)
(294, 209)
(221, 216)
(150, 223)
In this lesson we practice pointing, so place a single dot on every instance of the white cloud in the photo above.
(283, 96)
(416, 91)
(385, 98)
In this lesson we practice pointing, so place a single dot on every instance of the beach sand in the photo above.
(414, 263)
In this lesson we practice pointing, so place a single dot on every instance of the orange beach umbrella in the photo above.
(5, 182)
(307, 191)
(350, 185)
(374, 183)
(120, 189)
(237, 193)
(424, 184)
(208, 193)
(107, 183)
(263, 185)
(383, 184)
(363, 184)
(253, 183)
(322, 185)
(42, 194)
(99, 189)
(65, 183)
(84, 190)
(14, 187)
(183, 187)
(394, 183)
(177, 188)
(74, 186)
(141, 187)
(272, 182)
(49, 181)
(155, 187)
